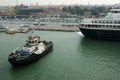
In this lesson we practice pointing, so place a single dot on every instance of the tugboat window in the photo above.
(36, 41)
(32, 41)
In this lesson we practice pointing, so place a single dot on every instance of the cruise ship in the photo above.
(107, 28)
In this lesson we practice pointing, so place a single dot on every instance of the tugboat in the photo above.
(32, 51)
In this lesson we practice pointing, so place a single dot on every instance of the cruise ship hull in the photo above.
(102, 34)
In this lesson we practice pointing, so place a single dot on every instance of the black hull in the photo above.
(31, 58)
(101, 34)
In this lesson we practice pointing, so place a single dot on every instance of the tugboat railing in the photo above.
(15, 49)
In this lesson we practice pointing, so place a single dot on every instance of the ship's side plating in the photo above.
(104, 34)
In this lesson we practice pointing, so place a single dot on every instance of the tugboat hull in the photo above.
(101, 34)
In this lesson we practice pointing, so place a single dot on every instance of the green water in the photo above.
(73, 58)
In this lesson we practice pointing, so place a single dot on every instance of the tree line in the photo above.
(80, 10)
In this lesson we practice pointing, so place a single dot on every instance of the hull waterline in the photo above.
(102, 34)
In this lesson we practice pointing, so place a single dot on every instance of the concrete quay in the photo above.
(69, 27)
(47, 26)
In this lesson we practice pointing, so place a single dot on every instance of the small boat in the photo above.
(2, 28)
(22, 30)
(33, 50)
(11, 31)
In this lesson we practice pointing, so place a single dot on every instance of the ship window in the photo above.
(88, 25)
(115, 11)
(110, 26)
(110, 21)
(107, 22)
(115, 21)
(114, 26)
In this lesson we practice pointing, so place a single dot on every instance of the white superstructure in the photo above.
(111, 20)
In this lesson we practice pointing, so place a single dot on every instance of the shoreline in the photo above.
(65, 29)
(45, 26)
(68, 27)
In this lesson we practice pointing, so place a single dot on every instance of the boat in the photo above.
(106, 28)
(2, 28)
(22, 30)
(33, 50)
(11, 30)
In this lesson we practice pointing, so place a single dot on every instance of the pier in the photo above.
(47, 26)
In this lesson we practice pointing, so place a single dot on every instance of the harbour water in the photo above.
(73, 58)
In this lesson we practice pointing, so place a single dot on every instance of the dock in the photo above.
(47, 26)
